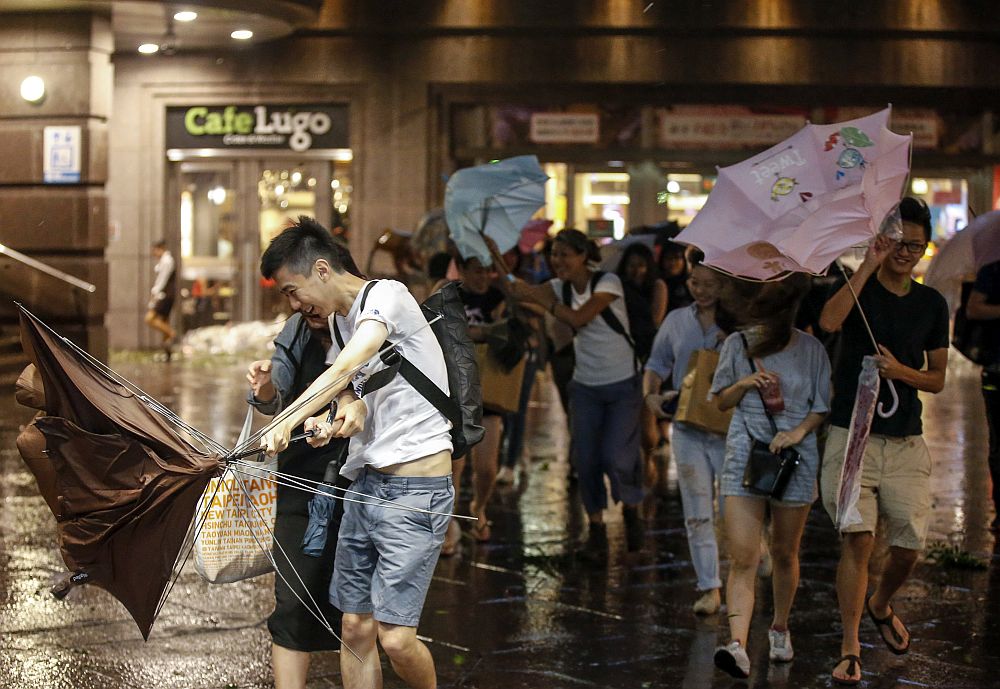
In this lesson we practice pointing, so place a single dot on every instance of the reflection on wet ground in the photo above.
(521, 610)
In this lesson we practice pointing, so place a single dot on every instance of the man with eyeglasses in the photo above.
(910, 324)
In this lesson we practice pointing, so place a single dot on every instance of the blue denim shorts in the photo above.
(386, 556)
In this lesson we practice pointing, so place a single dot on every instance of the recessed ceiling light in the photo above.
(149, 48)
(186, 16)
(242, 34)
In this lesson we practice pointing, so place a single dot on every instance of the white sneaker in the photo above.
(733, 660)
(781, 646)
(708, 603)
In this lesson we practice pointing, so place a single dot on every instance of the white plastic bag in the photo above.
(237, 522)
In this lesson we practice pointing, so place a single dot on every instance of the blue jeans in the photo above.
(604, 423)
(699, 456)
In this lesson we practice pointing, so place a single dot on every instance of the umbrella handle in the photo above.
(895, 402)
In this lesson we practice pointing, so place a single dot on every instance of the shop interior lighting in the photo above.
(242, 34)
(185, 16)
(33, 89)
(149, 48)
(217, 195)
(919, 186)
(673, 186)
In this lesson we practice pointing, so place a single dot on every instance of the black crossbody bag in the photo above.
(767, 473)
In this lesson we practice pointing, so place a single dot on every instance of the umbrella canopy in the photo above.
(128, 481)
(800, 204)
(963, 255)
(498, 199)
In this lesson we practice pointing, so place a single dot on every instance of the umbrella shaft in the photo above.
(255, 451)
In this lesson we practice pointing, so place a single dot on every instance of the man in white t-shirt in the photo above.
(400, 451)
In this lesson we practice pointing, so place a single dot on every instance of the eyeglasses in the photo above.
(914, 248)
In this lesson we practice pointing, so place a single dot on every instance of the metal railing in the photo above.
(47, 269)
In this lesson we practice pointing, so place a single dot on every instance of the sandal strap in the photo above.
(853, 663)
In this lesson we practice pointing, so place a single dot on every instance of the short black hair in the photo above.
(437, 266)
(916, 211)
(299, 246)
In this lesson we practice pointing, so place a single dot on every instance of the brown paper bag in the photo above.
(501, 388)
(694, 406)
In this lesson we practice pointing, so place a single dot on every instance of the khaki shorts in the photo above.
(895, 486)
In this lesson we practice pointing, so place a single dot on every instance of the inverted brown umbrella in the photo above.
(128, 481)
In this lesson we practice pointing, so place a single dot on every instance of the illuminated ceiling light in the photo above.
(33, 89)
(185, 16)
(242, 34)
(673, 186)
(296, 177)
(217, 195)
(149, 48)
(919, 186)
(279, 190)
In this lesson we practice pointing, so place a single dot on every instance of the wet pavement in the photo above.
(522, 610)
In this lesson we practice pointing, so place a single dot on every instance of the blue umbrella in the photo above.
(498, 199)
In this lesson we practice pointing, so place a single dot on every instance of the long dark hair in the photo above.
(646, 254)
(773, 309)
(579, 243)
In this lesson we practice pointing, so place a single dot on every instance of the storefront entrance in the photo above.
(226, 211)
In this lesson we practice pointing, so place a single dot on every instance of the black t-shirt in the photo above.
(988, 284)
(479, 308)
(908, 326)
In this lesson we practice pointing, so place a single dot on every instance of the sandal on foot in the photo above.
(887, 621)
(481, 530)
(853, 667)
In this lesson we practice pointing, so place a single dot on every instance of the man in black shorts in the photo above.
(161, 299)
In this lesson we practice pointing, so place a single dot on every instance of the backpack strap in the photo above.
(397, 363)
(612, 320)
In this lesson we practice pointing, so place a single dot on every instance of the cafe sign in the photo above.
(296, 128)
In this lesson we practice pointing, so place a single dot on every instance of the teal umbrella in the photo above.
(497, 199)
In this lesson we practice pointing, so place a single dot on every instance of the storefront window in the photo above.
(601, 203)
(207, 234)
(684, 195)
(948, 200)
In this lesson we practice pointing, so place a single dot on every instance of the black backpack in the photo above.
(641, 330)
(464, 407)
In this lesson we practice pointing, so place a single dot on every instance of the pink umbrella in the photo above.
(534, 231)
(803, 202)
(963, 255)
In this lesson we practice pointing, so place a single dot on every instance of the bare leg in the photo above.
(158, 323)
(744, 521)
(291, 668)
(409, 656)
(897, 570)
(484, 474)
(852, 583)
(787, 524)
(360, 633)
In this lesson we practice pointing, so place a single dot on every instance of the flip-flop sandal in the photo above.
(853, 666)
(887, 621)
(481, 531)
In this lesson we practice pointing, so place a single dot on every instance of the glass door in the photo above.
(227, 213)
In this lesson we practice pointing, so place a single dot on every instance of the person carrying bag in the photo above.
(791, 372)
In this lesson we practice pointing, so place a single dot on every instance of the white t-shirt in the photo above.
(401, 425)
(602, 355)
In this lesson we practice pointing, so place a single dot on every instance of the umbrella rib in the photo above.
(346, 376)
(176, 571)
(270, 555)
(298, 483)
(144, 397)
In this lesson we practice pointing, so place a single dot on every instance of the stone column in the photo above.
(64, 225)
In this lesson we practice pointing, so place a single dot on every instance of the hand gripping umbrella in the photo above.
(497, 199)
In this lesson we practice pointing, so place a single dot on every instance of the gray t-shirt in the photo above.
(602, 355)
